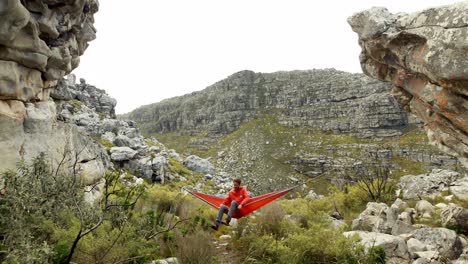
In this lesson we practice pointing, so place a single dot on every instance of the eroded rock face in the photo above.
(40, 42)
(326, 99)
(424, 56)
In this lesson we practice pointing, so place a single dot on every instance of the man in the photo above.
(235, 199)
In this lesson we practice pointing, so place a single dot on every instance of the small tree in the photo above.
(374, 181)
(116, 205)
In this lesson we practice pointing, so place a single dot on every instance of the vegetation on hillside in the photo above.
(266, 153)
(43, 214)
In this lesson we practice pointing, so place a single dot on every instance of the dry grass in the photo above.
(194, 248)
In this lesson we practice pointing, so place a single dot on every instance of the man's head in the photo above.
(237, 183)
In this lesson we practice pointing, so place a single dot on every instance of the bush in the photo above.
(194, 248)
(376, 255)
(263, 249)
(306, 238)
(32, 202)
(269, 221)
(161, 198)
(42, 215)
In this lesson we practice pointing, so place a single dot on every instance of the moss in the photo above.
(106, 143)
(407, 167)
(102, 115)
(176, 168)
(76, 104)
(151, 143)
(413, 135)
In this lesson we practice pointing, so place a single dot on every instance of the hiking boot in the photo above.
(225, 222)
(215, 227)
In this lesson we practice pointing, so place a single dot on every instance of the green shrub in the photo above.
(263, 249)
(161, 198)
(176, 168)
(42, 213)
(269, 221)
(376, 255)
(32, 202)
(76, 104)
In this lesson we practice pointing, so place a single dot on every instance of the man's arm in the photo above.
(227, 200)
(245, 199)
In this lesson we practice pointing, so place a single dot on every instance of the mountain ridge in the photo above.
(319, 98)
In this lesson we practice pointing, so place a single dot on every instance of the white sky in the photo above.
(149, 50)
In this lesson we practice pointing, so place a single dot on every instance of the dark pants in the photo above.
(224, 208)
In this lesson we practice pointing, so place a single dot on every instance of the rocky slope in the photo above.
(322, 99)
(91, 111)
(427, 225)
(423, 55)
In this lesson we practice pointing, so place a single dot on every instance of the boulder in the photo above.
(401, 227)
(141, 167)
(394, 246)
(406, 217)
(422, 261)
(427, 255)
(91, 171)
(459, 188)
(313, 195)
(373, 219)
(426, 185)
(399, 205)
(122, 153)
(198, 164)
(121, 141)
(415, 245)
(61, 91)
(424, 209)
(443, 240)
(455, 217)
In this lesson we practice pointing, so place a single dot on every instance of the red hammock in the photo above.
(252, 204)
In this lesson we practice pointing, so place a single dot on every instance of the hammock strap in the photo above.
(272, 195)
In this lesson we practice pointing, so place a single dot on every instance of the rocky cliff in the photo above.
(321, 99)
(40, 42)
(424, 56)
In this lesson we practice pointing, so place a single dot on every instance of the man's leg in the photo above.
(233, 208)
(220, 216)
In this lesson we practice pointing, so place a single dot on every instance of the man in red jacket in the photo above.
(235, 199)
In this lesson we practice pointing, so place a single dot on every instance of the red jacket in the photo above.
(241, 196)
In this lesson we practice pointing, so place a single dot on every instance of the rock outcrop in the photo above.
(40, 42)
(91, 111)
(424, 56)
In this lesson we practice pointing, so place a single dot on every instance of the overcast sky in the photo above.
(150, 50)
